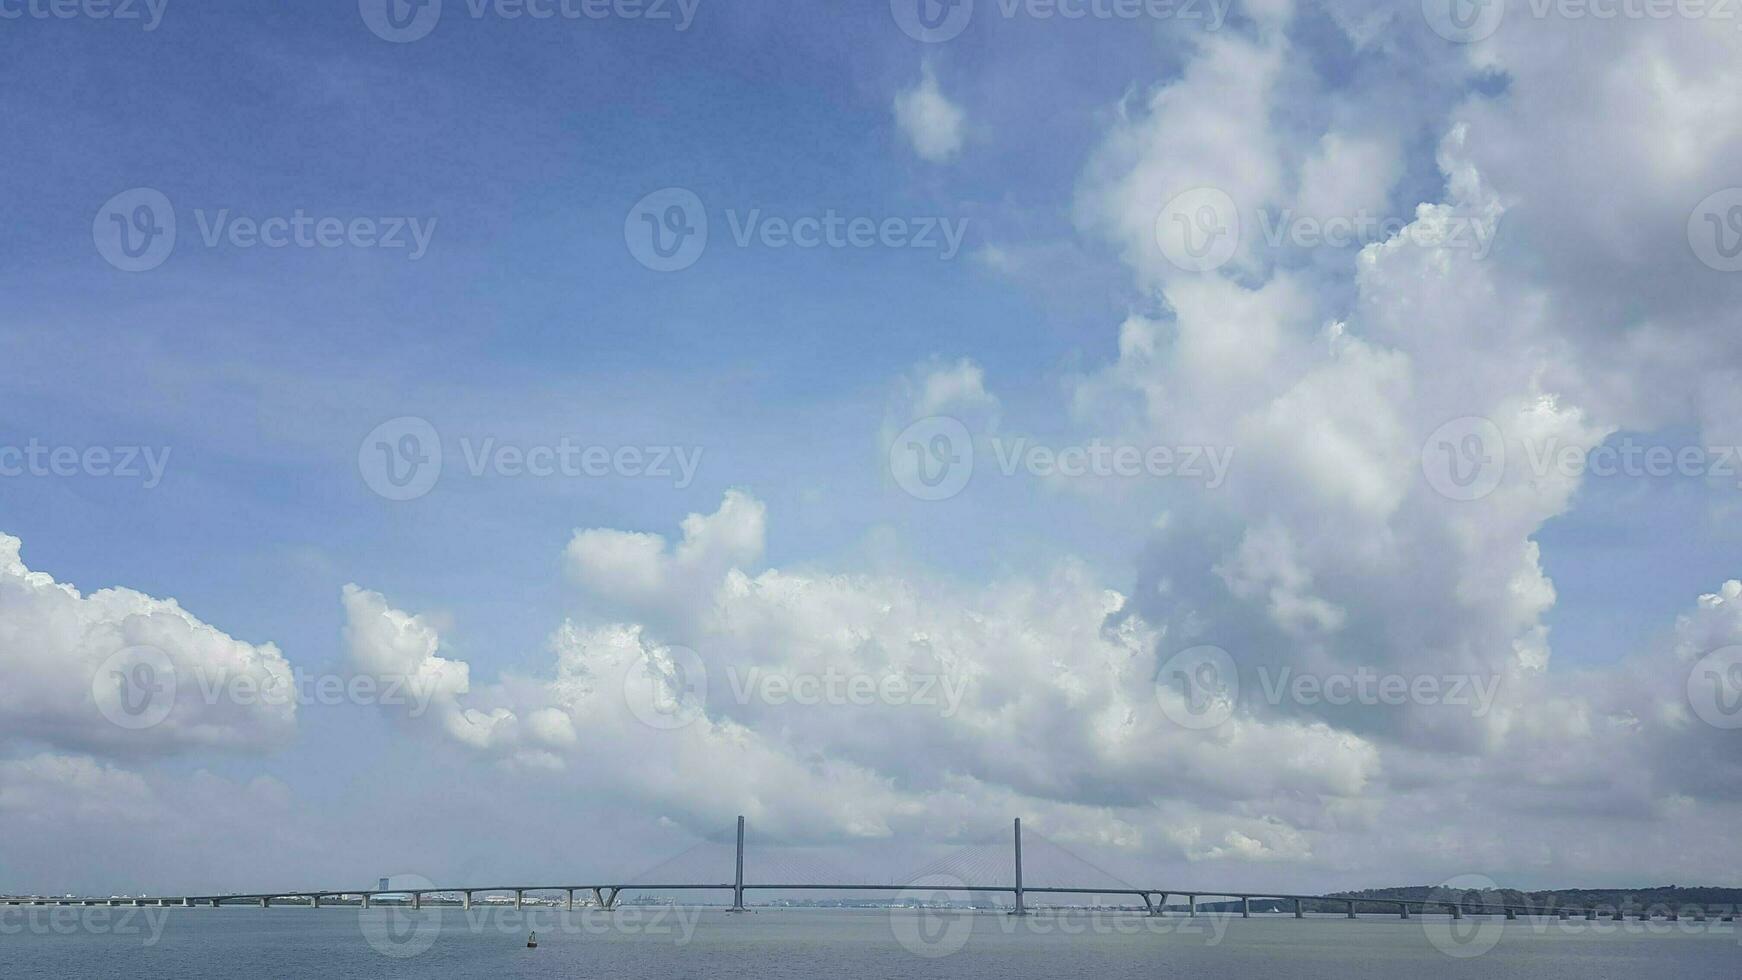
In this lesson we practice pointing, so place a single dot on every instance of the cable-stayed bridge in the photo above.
(953, 879)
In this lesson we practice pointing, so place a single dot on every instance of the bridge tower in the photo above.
(738, 881)
(1021, 909)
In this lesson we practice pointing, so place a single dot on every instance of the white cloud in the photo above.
(931, 122)
(167, 679)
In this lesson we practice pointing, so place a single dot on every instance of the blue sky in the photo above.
(526, 144)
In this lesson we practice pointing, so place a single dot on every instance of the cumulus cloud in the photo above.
(1038, 695)
(122, 673)
(931, 122)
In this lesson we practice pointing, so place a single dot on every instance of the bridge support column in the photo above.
(519, 900)
(1563, 915)
(365, 901)
(1590, 915)
(1298, 913)
(417, 900)
(1512, 913)
(314, 901)
(570, 903)
(1245, 908)
(1148, 904)
(1402, 910)
(1021, 906)
(738, 878)
(1351, 910)
(215, 902)
(1191, 905)
(466, 900)
(266, 903)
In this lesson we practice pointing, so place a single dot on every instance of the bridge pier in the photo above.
(1351, 910)
(519, 899)
(466, 900)
(1149, 904)
(1563, 915)
(1297, 910)
(1512, 913)
(417, 900)
(314, 901)
(1191, 905)
(266, 903)
(1245, 908)
(1590, 915)
(365, 901)
(569, 905)
(1021, 908)
(1402, 910)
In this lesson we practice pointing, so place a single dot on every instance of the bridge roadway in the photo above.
(1154, 900)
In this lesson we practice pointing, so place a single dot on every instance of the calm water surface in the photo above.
(340, 943)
